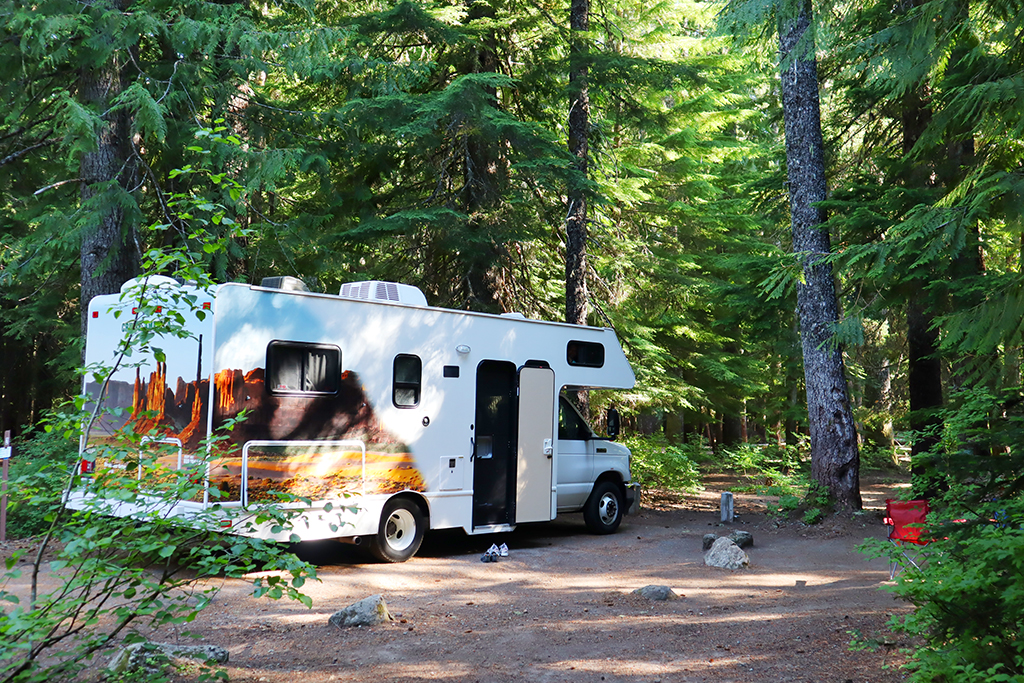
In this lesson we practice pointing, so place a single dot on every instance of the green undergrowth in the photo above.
(658, 463)
(767, 470)
(782, 472)
(38, 470)
(968, 594)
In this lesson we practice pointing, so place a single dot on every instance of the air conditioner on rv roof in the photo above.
(376, 290)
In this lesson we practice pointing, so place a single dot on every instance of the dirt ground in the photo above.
(560, 607)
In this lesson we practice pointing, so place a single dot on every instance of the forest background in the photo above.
(434, 143)
(606, 162)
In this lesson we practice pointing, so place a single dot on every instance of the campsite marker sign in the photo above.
(5, 455)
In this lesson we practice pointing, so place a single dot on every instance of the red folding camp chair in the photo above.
(905, 520)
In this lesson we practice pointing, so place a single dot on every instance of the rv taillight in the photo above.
(95, 314)
(88, 467)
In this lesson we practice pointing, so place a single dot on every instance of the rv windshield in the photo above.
(571, 426)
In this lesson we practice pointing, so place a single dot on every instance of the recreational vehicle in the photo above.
(392, 416)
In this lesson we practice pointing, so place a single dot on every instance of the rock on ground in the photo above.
(708, 540)
(743, 539)
(726, 554)
(656, 593)
(152, 658)
(367, 612)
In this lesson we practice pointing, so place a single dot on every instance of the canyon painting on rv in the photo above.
(176, 418)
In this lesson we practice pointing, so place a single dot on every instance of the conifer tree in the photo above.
(835, 461)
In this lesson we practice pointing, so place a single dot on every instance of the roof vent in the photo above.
(284, 282)
(376, 290)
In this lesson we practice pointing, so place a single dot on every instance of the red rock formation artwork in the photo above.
(316, 472)
(323, 472)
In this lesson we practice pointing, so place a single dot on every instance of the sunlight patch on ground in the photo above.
(618, 667)
(428, 671)
(303, 618)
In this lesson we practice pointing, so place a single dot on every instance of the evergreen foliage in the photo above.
(426, 142)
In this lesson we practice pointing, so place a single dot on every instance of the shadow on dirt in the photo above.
(445, 543)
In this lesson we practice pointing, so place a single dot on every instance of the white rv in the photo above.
(392, 416)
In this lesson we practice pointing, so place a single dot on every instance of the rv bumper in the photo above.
(632, 499)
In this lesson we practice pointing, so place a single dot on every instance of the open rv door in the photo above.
(534, 484)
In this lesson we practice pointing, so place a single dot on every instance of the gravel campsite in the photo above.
(561, 606)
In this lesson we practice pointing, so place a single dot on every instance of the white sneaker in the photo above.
(493, 550)
(503, 550)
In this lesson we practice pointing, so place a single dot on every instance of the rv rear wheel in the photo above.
(603, 511)
(400, 532)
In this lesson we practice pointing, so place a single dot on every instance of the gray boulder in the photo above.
(726, 554)
(367, 612)
(656, 593)
(154, 658)
(708, 540)
(744, 539)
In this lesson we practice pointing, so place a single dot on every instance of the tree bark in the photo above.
(485, 173)
(835, 461)
(109, 248)
(576, 214)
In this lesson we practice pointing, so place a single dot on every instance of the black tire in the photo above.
(604, 509)
(400, 532)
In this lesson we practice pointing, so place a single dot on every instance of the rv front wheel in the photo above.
(603, 511)
(401, 531)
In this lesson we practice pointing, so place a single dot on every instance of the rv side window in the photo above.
(405, 389)
(585, 354)
(294, 368)
(571, 427)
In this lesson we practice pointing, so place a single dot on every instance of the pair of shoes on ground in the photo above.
(494, 552)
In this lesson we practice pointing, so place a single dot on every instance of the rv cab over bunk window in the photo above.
(297, 368)
(405, 389)
(585, 354)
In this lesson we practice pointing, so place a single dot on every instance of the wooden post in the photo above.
(727, 507)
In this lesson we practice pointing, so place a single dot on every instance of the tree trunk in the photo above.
(109, 247)
(732, 429)
(835, 461)
(576, 214)
(675, 426)
(924, 376)
(484, 171)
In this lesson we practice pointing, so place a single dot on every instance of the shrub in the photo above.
(116, 573)
(37, 472)
(657, 463)
(771, 470)
(969, 599)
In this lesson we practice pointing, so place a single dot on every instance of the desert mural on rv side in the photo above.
(150, 407)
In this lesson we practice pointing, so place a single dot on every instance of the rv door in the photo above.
(536, 447)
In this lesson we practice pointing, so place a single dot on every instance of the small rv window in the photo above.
(294, 368)
(586, 354)
(405, 392)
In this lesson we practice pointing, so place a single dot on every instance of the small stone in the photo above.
(656, 593)
(367, 612)
(709, 539)
(743, 539)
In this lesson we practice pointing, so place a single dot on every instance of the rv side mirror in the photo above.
(612, 420)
